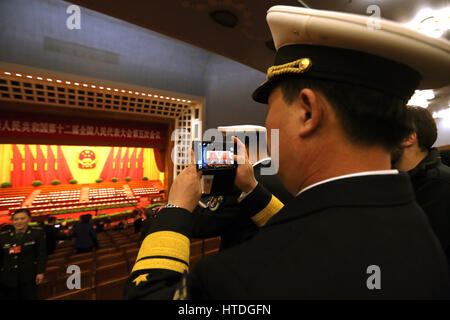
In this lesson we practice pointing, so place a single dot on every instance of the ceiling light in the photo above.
(444, 115)
(7, 73)
(433, 23)
(39, 78)
(29, 77)
(420, 98)
(18, 74)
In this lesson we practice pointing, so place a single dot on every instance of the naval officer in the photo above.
(337, 92)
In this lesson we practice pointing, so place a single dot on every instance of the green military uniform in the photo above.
(22, 258)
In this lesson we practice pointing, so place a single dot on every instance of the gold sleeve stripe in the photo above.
(269, 211)
(160, 263)
(165, 243)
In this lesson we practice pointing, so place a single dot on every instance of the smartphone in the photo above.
(213, 156)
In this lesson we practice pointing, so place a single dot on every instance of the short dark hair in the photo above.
(423, 125)
(367, 116)
(20, 211)
(85, 218)
(51, 219)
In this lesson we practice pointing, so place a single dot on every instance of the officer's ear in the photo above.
(311, 111)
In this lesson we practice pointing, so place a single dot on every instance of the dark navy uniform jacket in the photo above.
(223, 216)
(324, 244)
(20, 267)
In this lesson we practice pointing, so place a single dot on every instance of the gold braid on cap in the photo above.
(298, 66)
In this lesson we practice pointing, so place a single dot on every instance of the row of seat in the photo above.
(69, 206)
(105, 271)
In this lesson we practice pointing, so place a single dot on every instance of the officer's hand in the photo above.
(186, 189)
(245, 178)
(39, 278)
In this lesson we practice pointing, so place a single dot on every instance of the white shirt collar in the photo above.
(358, 174)
(262, 160)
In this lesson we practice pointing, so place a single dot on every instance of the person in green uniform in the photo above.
(22, 259)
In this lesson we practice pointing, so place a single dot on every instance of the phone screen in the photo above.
(214, 156)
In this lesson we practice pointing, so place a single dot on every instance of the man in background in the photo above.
(429, 176)
(51, 234)
(137, 221)
(86, 238)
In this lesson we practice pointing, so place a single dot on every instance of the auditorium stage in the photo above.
(70, 201)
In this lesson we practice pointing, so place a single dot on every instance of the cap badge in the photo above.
(298, 66)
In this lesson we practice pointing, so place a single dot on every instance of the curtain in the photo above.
(132, 173)
(63, 173)
(116, 164)
(159, 158)
(28, 174)
(17, 171)
(140, 168)
(107, 172)
(124, 166)
(51, 165)
(40, 173)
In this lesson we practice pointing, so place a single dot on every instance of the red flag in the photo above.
(124, 168)
(140, 169)
(40, 172)
(28, 174)
(116, 165)
(107, 171)
(133, 170)
(16, 172)
(159, 158)
(64, 174)
(51, 173)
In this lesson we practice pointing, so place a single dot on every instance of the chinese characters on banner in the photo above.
(70, 129)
